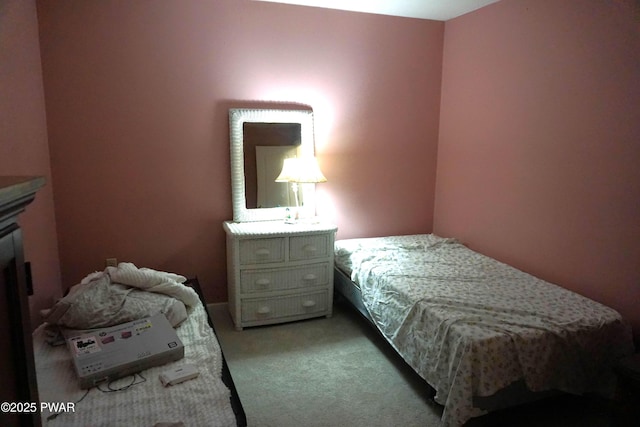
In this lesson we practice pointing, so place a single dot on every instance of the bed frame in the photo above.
(345, 288)
(227, 379)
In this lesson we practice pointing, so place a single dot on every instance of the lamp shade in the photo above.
(301, 170)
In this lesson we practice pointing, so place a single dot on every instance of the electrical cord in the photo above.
(133, 382)
(52, 416)
(109, 389)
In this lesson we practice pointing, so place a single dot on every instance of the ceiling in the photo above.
(439, 10)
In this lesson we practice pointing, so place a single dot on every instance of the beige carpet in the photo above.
(339, 372)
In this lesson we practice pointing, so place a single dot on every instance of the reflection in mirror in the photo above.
(271, 193)
(260, 141)
(266, 145)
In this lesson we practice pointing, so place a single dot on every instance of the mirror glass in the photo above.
(260, 141)
(265, 147)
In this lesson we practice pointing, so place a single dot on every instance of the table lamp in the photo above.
(300, 170)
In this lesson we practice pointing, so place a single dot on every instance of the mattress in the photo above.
(472, 326)
(204, 400)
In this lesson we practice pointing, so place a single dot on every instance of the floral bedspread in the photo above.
(471, 325)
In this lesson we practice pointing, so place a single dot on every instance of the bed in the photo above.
(210, 399)
(482, 334)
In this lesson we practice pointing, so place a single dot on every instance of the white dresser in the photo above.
(279, 272)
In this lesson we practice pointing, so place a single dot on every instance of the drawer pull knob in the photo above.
(309, 249)
(310, 277)
(263, 283)
(263, 252)
(264, 310)
(308, 304)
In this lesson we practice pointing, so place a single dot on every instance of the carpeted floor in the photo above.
(339, 372)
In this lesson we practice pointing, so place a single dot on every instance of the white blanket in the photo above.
(122, 294)
(153, 281)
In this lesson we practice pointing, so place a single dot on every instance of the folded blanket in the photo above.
(122, 294)
(153, 281)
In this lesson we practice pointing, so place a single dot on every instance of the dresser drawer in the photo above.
(262, 251)
(265, 280)
(293, 305)
(309, 247)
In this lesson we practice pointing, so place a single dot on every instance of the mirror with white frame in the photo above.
(260, 140)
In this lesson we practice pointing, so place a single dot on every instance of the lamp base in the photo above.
(303, 221)
(291, 216)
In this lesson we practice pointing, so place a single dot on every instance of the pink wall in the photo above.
(536, 158)
(137, 98)
(539, 142)
(23, 143)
